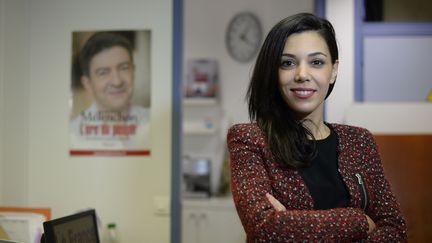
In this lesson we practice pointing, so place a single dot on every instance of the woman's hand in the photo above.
(371, 224)
(278, 206)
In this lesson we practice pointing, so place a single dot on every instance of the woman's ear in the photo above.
(334, 72)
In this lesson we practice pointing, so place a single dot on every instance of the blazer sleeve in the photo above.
(384, 210)
(250, 183)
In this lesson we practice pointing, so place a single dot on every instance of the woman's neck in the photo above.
(318, 129)
(314, 122)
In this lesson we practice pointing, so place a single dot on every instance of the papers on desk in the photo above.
(22, 227)
(3, 234)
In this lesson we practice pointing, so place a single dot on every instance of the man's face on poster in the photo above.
(111, 79)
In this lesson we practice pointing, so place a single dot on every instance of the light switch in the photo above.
(161, 205)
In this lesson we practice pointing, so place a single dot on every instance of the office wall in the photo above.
(1, 93)
(341, 14)
(14, 42)
(407, 118)
(37, 169)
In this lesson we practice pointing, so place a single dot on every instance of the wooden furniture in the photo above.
(407, 161)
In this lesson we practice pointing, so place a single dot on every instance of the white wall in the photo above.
(37, 169)
(2, 13)
(392, 117)
(341, 14)
(15, 102)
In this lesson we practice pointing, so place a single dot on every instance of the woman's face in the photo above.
(305, 73)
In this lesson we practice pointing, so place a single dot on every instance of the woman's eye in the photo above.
(287, 63)
(317, 62)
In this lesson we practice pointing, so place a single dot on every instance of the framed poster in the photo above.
(110, 93)
(202, 78)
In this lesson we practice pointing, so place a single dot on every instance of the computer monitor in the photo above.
(79, 227)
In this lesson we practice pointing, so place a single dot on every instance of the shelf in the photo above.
(209, 202)
(199, 101)
(199, 131)
(199, 128)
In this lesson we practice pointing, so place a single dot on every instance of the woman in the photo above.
(294, 176)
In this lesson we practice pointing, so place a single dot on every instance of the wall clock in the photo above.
(243, 36)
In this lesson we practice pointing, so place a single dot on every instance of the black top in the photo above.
(322, 177)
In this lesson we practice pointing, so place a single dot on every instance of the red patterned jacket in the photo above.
(254, 173)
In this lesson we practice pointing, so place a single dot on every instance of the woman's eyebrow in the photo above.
(288, 55)
(317, 54)
(310, 55)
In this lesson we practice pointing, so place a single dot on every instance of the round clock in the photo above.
(243, 36)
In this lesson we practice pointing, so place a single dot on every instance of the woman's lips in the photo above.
(303, 93)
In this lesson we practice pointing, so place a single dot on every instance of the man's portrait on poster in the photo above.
(110, 87)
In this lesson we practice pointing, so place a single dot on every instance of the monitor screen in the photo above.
(80, 228)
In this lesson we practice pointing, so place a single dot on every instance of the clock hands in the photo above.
(244, 36)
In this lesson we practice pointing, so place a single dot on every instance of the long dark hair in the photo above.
(286, 135)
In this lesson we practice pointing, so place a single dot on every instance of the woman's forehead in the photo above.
(306, 42)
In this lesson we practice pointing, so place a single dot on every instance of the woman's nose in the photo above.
(302, 73)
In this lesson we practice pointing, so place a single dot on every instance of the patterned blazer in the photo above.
(254, 173)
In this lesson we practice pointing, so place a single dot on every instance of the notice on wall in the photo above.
(110, 93)
(202, 78)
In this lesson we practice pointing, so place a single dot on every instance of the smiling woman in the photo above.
(305, 75)
(296, 177)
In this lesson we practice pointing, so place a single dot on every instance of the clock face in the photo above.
(243, 37)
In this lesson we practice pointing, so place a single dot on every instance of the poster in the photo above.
(110, 93)
(202, 78)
